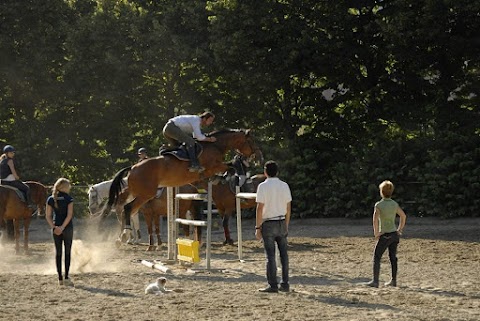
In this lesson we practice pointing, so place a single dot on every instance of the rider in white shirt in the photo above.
(180, 129)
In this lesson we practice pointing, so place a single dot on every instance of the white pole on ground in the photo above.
(239, 223)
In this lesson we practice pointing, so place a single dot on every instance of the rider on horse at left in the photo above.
(9, 176)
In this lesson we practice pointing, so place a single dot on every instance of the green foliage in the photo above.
(342, 94)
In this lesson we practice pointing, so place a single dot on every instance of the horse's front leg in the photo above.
(156, 221)
(16, 229)
(26, 227)
(149, 221)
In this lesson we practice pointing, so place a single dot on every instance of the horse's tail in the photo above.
(115, 189)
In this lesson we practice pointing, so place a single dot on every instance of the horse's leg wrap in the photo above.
(226, 230)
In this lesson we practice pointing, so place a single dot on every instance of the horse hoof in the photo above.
(151, 248)
(123, 238)
(118, 243)
(228, 242)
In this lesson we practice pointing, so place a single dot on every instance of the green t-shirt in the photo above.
(388, 212)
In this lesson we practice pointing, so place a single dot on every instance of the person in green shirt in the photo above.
(386, 233)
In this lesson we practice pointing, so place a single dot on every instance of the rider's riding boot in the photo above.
(194, 164)
(28, 200)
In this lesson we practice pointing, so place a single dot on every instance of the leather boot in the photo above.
(376, 274)
(194, 164)
(28, 200)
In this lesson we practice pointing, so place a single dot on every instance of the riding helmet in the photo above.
(142, 150)
(8, 148)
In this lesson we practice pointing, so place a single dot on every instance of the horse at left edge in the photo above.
(168, 171)
(14, 208)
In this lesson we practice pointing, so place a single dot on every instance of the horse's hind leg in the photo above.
(127, 229)
(130, 208)
(135, 235)
(226, 230)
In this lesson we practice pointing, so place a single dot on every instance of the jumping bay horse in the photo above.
(156, 207)
(152, 211)
(168, 171)
(12, 208)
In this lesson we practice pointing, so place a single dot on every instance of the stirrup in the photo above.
(196, 168)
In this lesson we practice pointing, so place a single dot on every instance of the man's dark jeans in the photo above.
(275, 232)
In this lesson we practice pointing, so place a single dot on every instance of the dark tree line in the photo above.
(344, 94)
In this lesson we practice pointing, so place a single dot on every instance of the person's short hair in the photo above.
(386, 189)
(271, 168)
(207, 115)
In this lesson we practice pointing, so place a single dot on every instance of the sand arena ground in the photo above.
(439, 264)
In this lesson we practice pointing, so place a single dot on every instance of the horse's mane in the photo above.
(35, 183)
(225, 131)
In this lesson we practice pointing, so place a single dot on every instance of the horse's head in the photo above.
(249, 148)
(39, 193)
(94, 200)
(240, 140)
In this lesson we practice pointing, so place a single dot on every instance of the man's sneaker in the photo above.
(268, 289)
(392, 282)
(284, 288)
(372, 284)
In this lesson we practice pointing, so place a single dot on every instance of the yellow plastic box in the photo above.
(188, 250)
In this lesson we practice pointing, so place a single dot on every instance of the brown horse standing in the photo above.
(12, 208)
(156, 207)
(225, 201)
(145, 177)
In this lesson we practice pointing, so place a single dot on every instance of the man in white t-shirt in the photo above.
(180, 129)
(273, 217)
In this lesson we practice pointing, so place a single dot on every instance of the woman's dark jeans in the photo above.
(390, 241)
(65, 238)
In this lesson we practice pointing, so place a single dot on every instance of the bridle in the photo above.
(93, 196)
(253, 147)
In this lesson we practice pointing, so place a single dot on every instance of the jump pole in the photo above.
(238, 200)
(197, 196)
(172, 226)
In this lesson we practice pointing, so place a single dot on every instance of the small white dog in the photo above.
(157, 287)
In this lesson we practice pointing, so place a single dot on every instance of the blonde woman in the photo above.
(59, 216)
(386, 233)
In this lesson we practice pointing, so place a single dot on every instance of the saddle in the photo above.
(16, 190)
(247, 187)
(180, 152)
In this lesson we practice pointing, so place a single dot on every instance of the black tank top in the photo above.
(4, 168)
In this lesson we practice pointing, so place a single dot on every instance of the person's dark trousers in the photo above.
(390, 241)
(65, 238)
(21, 186)
(275, 232)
